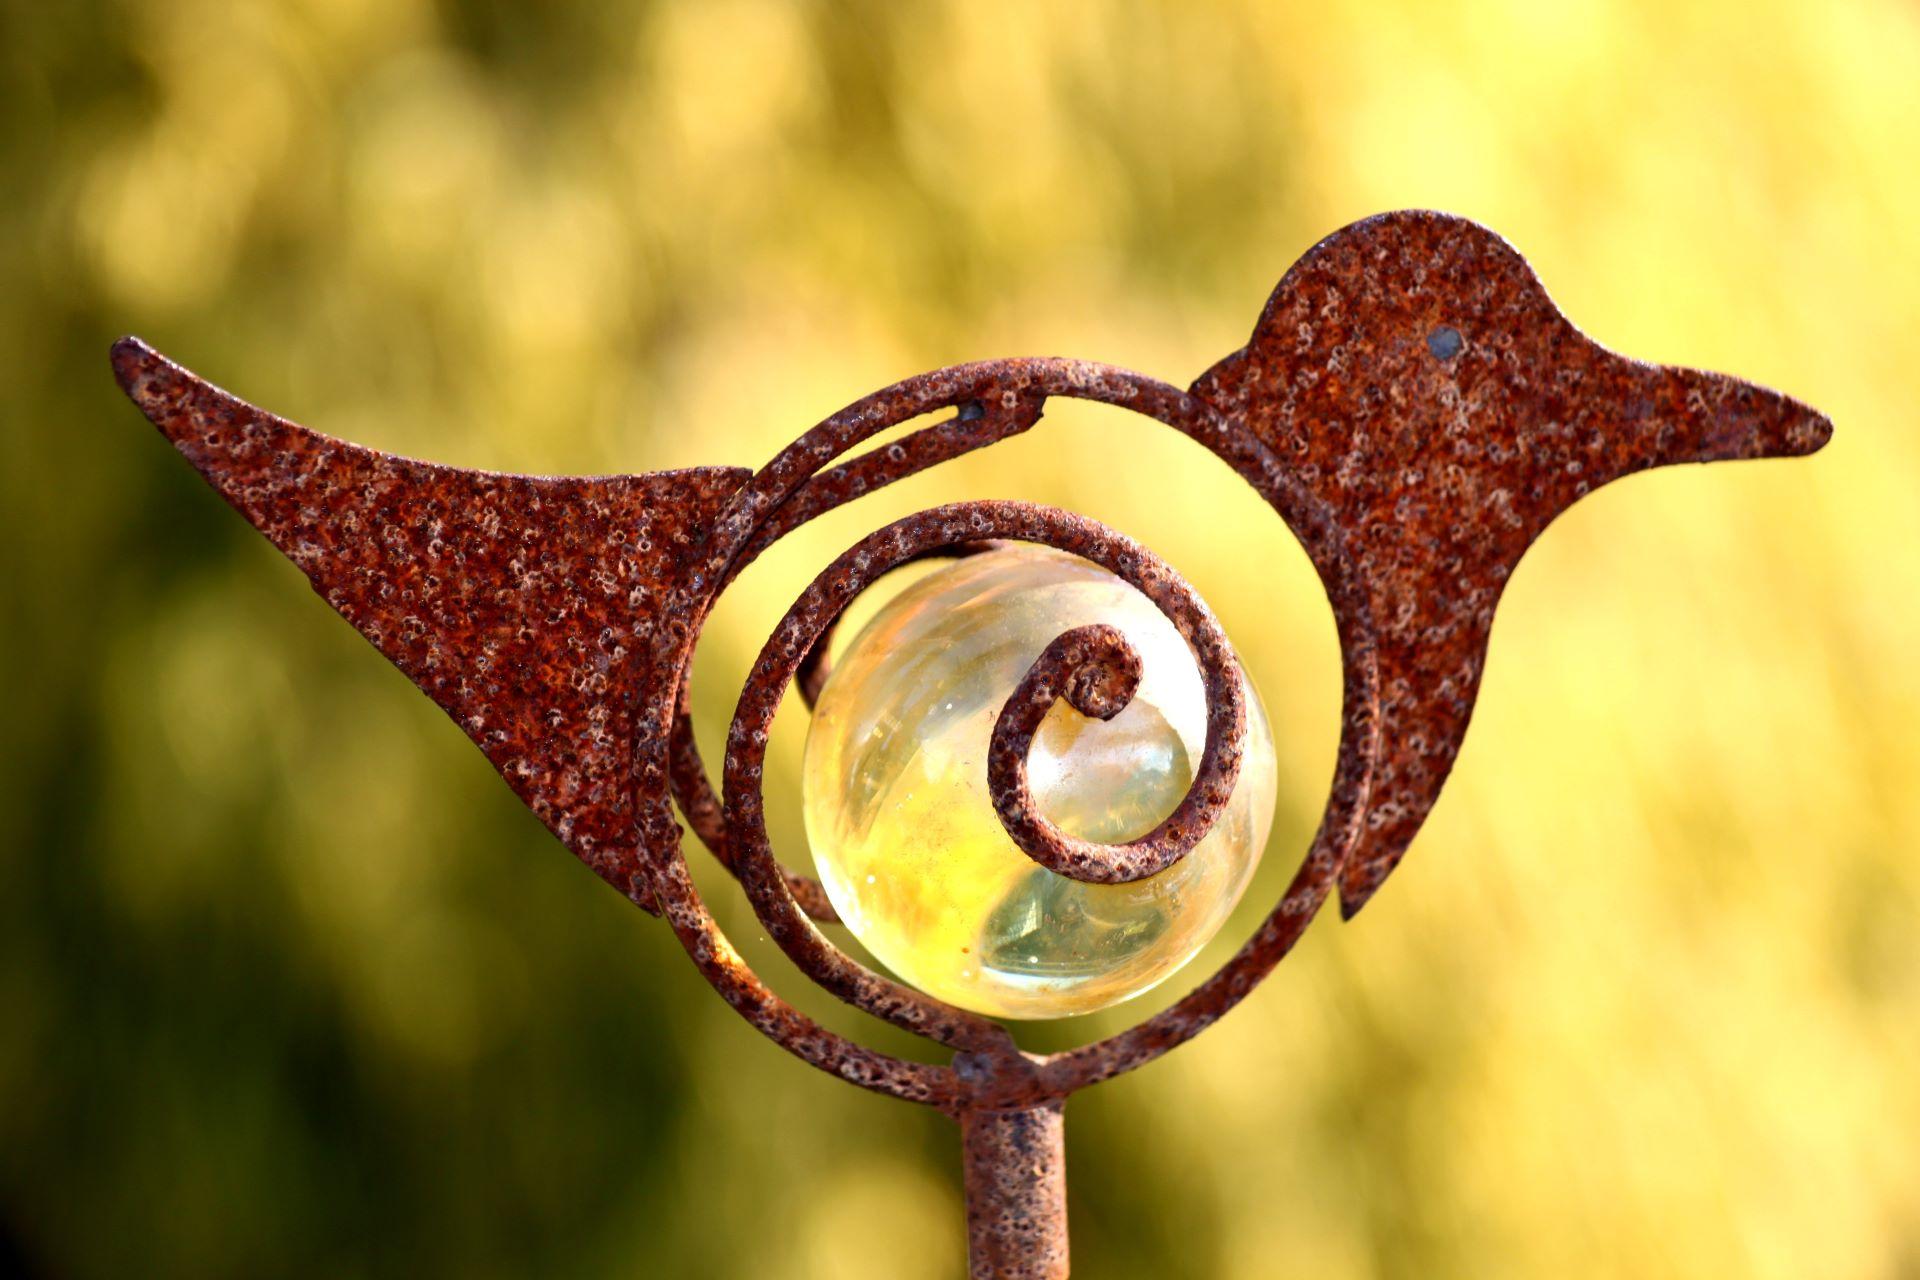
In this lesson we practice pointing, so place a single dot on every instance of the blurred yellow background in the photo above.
(289, 983)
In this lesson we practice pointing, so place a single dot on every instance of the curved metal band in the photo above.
(1021, 1079)
(801, 628)
(976, 424)
(811, 679)
(1097, 671)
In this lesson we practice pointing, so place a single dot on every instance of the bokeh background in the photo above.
(290, 985)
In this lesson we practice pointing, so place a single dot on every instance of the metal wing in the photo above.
(512, 601)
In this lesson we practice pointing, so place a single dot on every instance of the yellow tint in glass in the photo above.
(909, 847)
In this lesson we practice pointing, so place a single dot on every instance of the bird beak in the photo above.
(1689, 415)
(1644, 416)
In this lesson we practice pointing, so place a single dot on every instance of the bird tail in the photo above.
(517, 603)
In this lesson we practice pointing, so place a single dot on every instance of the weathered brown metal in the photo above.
(798, 632)
(818, 664)
(1096, 671)
(1412, 370)
(1412, 405)
(512, 601)
(1016, 1181)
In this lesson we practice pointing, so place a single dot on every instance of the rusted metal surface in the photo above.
(1097, 672)
(818, 664)
(798, 632)
(1412, 370)
(1411, 404)
(512, 601)
(1016, 1182)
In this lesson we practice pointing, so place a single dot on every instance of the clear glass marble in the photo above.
(908, 845)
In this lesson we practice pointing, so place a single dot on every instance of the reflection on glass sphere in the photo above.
(905, 838)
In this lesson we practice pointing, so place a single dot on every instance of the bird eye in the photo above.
(1445, 342)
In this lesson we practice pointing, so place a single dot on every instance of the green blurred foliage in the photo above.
(289, 984)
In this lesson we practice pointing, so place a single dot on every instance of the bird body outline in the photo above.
(1409, 369)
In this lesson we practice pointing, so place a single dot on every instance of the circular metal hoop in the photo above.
(1436, 412)
(807, 620)
(995, 399)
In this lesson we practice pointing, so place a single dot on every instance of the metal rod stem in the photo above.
(1016, 1175)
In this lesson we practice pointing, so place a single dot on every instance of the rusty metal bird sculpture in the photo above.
(1411, 403)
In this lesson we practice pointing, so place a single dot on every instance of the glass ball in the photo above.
(905, 838)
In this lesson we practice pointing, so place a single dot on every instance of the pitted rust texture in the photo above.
(1016, 1182)
(818, 664)
(687, 780)
(512, 601)
(1022, 1080)
(1096, 671)
(799, 631)
(1412, 370)
(974, 425)
(1411, 404)
(1015, 389)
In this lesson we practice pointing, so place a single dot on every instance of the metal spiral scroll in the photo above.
(1093, 668)
(1434, 412)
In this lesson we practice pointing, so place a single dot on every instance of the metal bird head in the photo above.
(1412, 370)
(1411, 402)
